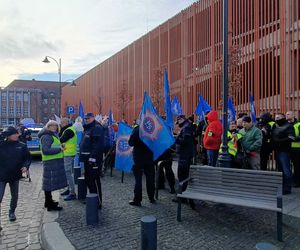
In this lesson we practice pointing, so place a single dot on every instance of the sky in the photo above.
(83, 33)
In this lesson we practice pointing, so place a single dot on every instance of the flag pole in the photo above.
(224, 157)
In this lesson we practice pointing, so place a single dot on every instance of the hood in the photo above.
(212, 116)
(44, 131)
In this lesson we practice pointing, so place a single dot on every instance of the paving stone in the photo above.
(29, 213)
(211, 226)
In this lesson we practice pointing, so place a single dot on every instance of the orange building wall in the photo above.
(189, 45)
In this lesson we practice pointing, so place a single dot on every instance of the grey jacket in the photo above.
(54, 175)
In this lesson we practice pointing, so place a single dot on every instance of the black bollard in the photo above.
(265, 246)
(92, 204)
(148, 233)
(77, 173)
(82, 189)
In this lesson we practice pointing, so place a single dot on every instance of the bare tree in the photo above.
(157, 90)
(124, 98)
(234, 72)
(98, 100)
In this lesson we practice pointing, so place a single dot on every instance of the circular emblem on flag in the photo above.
(148, 125)
(123, 147)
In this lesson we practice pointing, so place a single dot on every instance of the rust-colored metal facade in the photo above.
(264, 40)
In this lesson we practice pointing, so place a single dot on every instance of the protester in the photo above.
(165, 163)
(68, 138)
(251, 142)
(15, 160)
(184, 148)
(282, 138)
(91, 154)
(212, 137)
(54, 175)
(25, 134)
(295, 152)
(265, 124)
(143, 163)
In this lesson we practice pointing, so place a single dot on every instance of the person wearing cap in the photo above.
(68, 137)
(15, 159)
(282, 138)
(265, 124)
(25, 134)
(251, 142)
(184, 147)
(295, 152)
(54, 175)
(91, 154)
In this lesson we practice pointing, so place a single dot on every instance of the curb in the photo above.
(52, 236)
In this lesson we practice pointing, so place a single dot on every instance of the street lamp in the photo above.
(46, 60)
(224, 158)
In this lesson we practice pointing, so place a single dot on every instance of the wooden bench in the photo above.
(249, 188)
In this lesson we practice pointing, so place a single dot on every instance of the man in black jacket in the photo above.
(91, 154)
(282, 137)
(184, 148)
(143, 163)
(15, 160)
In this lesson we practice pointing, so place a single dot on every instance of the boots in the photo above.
(50, 203)
(54, 207)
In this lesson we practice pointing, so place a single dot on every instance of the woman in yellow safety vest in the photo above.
(54, 176)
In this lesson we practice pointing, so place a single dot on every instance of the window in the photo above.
(45, 101)
(3, 121)
(18, 110)
(11, 110)
(11, 121)
(25, 97)
(3, 96)
(19, 96)
(11, 96)
(52, 110)
(3, 110)
(53, 101)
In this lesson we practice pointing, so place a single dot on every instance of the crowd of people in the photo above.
(250, 145)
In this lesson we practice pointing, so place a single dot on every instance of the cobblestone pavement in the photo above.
(24, 232)
(211, 226)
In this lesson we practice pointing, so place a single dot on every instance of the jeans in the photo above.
(69, 162)
(283, 163)
(14, 191)
(212, 156)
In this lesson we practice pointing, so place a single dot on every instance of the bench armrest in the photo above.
(180, 184)
(279, 196)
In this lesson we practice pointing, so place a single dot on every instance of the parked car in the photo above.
(34, 144)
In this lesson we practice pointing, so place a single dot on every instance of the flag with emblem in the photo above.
(176, 107)
(153, 131)
(231, 110)
(80, 110)
(252, 109)
(168, 110)
(124, 159)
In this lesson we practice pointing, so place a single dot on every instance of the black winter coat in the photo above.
(92, 142)
(185, 141)
(14, 155)
(141, 153)
(280, 137)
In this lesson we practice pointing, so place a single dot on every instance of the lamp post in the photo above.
(46, 60)
(224, 158)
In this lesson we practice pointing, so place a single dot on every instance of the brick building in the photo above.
(264, 59)
(29, 99)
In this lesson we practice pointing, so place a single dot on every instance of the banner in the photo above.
(176, 107)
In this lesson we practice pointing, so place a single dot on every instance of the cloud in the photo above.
(81, 33)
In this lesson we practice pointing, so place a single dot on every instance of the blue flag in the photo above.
(168, 110)
(81, 111)
(231, 110)
(202, 108)
(111, 132)
(176, 107)
(252, 109)
(124, 159)
(153, 131)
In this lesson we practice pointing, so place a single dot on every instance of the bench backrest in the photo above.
(232, 180)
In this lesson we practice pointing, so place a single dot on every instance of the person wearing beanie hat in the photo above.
(15, 159)
(251, 142)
